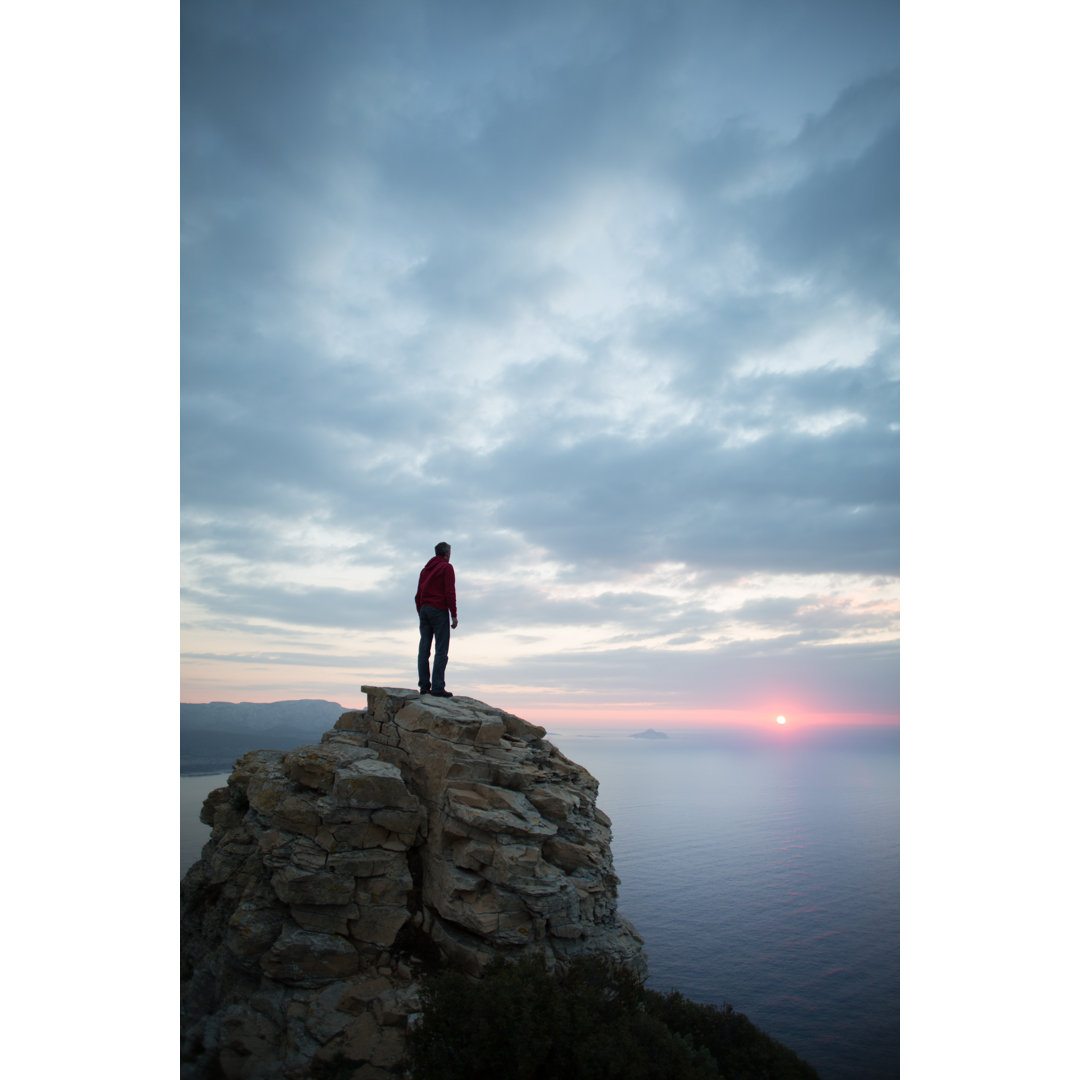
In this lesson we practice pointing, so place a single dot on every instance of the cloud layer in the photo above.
(605, 294)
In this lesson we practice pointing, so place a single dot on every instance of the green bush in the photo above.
(744, 1051)
(594, 1021)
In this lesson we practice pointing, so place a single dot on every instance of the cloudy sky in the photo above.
(603, 293)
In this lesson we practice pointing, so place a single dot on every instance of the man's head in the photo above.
(442, 549)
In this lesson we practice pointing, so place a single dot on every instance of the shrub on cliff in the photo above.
(594, 1022)
(744, 1051)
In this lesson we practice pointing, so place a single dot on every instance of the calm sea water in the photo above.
(760, 872)
(193, 833)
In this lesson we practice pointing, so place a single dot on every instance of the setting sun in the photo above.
(781, 719)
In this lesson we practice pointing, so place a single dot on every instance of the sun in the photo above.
(781, 719)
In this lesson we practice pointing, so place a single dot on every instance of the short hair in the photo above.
(442, 549)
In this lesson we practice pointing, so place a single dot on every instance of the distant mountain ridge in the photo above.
(213, 735)
(307, 714)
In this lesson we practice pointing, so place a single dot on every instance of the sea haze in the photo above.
(760, 871)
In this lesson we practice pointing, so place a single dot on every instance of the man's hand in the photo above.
(453, 625)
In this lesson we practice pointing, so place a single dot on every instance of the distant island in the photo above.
(649, 734)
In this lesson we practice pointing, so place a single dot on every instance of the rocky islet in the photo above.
(419, 832)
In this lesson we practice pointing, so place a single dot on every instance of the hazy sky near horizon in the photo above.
(603, 293)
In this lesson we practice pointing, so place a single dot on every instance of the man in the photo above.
(436, 604)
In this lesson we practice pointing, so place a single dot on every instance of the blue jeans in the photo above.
(434, 623)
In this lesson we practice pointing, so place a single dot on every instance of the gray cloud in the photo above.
(611, 286)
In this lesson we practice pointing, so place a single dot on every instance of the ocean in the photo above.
(761, 870)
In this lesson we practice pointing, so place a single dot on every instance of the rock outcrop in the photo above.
(421, 831)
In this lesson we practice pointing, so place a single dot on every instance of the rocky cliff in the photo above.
(420, 832)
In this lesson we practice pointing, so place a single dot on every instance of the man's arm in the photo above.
(451, 596)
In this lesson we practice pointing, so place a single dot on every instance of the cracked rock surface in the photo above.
(421, 831)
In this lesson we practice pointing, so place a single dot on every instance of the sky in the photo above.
(605, 294)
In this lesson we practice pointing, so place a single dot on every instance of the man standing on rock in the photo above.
(436, 604)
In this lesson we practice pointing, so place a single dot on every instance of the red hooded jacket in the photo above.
(436, 588)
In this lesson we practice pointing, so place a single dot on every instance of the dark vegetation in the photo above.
(593, 1022)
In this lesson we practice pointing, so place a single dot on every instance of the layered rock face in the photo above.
(421, 831)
